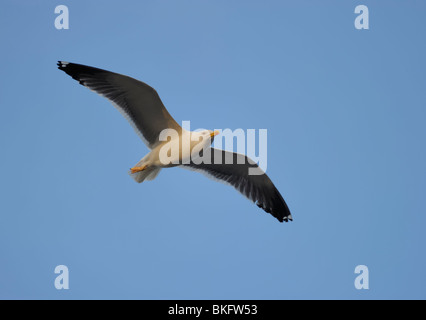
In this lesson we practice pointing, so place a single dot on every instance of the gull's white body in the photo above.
(188, 144)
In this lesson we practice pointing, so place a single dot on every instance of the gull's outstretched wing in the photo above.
(136, 101)
(257, 188)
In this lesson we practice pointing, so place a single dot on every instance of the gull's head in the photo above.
(213, 133)
(201, 140)
(210, 134)
(204, 136)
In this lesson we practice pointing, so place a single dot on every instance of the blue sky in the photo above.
(344, 110)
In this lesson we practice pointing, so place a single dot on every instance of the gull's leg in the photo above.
(138, 169)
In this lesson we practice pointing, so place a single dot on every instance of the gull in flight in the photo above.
(141, 105)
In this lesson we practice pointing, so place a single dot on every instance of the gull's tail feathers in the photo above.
(148, 174)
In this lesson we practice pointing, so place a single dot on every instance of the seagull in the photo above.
(141, 105)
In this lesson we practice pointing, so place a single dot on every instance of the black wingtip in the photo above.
(287, 218)
(74, 70)
(62, 65)
(281, 217)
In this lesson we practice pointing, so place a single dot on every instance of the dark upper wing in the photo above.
(136, 101)
(257, 188)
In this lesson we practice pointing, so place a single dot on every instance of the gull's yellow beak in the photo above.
(214, 133)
